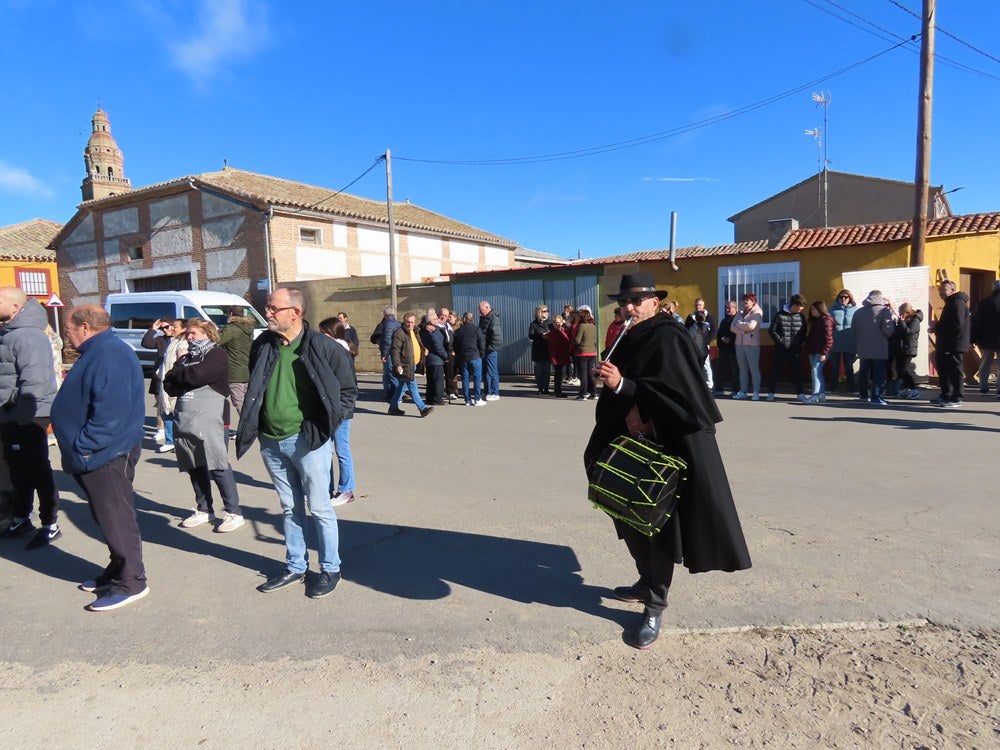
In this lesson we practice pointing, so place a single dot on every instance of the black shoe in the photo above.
(562, 395)
(18, 527)
(633, 594)
(426, 410)
(285, 578)
(646, 633)
(44, 537)
(397, 412)
(322, 584)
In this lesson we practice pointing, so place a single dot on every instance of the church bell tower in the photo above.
(104, 162)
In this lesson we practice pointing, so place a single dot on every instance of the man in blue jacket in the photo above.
(97, 417)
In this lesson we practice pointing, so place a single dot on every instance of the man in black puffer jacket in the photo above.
(788, 330)
(951, 344)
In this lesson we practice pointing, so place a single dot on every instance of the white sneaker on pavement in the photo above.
(493, 397)
(230, 522)
(197, 519)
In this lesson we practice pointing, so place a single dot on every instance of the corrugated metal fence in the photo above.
(515, 299)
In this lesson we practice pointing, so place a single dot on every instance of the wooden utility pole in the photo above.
(392, 229)
(924, 108)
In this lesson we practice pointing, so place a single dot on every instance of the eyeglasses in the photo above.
(636, 301)
(844, 296)
(544, 311)
(272, 310)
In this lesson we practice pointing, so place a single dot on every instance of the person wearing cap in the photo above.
(656, 369)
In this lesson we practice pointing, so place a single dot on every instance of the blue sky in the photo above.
(316, 91)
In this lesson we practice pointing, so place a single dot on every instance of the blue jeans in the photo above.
(168, 429)
(472, 370)
(873, 369)
(410, 386)
(389, 379)
(492, 373)
(298, 475)
(816, 367)
(345, 464)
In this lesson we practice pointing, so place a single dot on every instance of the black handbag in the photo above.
(636, 481)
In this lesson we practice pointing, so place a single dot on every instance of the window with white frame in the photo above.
(33, 281)
(310, 236)
(773, 283)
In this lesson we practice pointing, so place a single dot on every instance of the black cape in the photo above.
(665, 378)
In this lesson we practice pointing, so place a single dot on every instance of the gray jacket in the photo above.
(27, 375)
(873, 324)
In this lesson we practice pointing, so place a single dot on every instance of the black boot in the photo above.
(647, 631)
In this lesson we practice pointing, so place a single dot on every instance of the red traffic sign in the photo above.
(54, 301)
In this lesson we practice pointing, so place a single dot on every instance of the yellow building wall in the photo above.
(820, 269)
(8, 275)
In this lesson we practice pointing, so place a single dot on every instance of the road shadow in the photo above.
(904, 424)
(419, 563)
(53, 561)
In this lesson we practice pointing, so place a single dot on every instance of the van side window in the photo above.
(192, 312)
(139, 315)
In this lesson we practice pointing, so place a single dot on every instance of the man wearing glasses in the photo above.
(301, 387)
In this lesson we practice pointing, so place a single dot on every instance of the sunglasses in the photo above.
(636, 301)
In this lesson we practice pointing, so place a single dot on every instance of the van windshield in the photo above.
(219, 315)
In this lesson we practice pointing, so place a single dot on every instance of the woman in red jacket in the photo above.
(819, 341)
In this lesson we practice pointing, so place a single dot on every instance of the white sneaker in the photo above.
(482, 402)
(230, 522)
(165, 448)
(159, 436)
(342, 498)
(197, 519)
(493, 397)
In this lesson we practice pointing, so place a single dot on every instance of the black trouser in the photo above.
(781, 358)
(542, 370)
(557, 383)
(727, 370)
(906, 371)
(655, 566)
(26, 449)
(434, 393)
(450, 381)
(585, 372)
(201, 480)
(833, 362)
(950, 375)
(109, 492)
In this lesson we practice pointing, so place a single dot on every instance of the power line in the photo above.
(652, 138)
(947, 61)
(948, 33)
(377, 161)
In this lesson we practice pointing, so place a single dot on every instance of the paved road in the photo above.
(472, 531)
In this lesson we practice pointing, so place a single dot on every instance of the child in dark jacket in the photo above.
(560, 352)
(903, 347)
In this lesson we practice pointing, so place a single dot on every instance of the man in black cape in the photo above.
(655, 368)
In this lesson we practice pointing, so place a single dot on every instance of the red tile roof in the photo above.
(866, 234)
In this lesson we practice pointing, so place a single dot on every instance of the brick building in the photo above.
(243, 232)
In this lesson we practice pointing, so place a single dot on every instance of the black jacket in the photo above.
(665, 380)
(539, 343)
(691, 319)
(433, 341)
(725, 332)
(986, 322)
(906, 338)
(469, 343)
(490, 326)
(952, 330)
(788, 330)
(328, 366)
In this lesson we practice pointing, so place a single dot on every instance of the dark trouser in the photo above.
(201, 480)
(656, 567)
(542, 371)
(109, 492)
(450, 377)
(26, 449)
(950, 377)
(585, 371)
(871, 372)
(833, 369)
(237, 392)
(906, 371)
(779, 360)
(557, 381)
(727, 370)
(434, 393)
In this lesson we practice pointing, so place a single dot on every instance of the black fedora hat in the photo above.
(638, 284)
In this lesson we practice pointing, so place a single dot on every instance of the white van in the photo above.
(133, 313)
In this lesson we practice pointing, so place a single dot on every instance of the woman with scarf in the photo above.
(655, 376)
(200, 382)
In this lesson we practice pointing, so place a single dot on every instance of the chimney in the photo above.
(777, 229)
